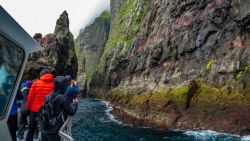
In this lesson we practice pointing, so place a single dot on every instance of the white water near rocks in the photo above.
(108, 112)
(94, 122)
(208, 134)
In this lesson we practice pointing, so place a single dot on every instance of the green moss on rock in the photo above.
(178, 95)
(204, 95)
(209, 65)
(127, 24)
(158, 101)
(105, 15)
(239, 74)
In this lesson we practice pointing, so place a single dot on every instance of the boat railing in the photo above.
(65, 131)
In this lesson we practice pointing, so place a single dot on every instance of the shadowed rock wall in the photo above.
(158, 47)
(90, 45)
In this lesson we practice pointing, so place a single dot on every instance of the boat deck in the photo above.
(35, 139)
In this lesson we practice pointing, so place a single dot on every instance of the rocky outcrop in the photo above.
(58, 54)
(154, 50)
(90, 45)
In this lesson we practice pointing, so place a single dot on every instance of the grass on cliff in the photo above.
(242, 71)
(105, 15)
(209, 65)
(147, 100)
(127, 24)
(205, 95)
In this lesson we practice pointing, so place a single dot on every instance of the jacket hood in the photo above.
(47, 78)
(69, 78)
(60, 84)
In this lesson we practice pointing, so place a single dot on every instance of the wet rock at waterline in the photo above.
(94, 121)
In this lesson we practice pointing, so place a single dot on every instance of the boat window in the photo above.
(11, 59)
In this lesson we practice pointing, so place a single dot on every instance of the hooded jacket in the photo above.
(62, 107)
(25, 92)
(38, 91)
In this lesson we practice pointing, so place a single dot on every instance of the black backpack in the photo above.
(47, 115)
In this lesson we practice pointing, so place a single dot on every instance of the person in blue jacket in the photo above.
(72, 89)
(23, 112)
(12, 120)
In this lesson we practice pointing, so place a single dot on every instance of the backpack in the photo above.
(47, 115)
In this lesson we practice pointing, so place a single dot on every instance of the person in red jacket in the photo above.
(38, 91)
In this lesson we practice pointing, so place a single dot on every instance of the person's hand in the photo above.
(75, 101)
(75, 82)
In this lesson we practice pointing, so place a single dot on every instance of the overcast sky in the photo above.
(41, 15)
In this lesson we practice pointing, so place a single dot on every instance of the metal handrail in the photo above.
(65, 131)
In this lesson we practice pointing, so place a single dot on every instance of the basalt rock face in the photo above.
(156, 48)
(58, 54)
(90, 45)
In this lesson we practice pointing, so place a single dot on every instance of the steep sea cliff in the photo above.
(177, 64)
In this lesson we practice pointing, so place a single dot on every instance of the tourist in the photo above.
(55, 108)
(23, 84)
(23, 118)
(38, 91)
(72, 89)
(12, 120)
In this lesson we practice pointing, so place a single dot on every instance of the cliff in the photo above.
(178, 64)
(58, 54)
(90, 45)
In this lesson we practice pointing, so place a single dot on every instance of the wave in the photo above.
(108, 112)
(246, 138)
(113, 119)
(208, 135)
(200, 135)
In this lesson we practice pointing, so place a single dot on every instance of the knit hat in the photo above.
(60, 84)
(68, 77)
(28, 83)
(45, 71)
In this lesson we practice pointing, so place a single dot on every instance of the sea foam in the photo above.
(209, 134)
(108, 112)
(245, 138)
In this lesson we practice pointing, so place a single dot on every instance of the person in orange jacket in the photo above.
(38, 91)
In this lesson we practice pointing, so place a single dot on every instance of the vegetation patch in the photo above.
(205, 70)
(239, 74)
(158, 101)
(127, 24)
(119, 98)
(178, 95)
(105, 15)
(209, 65)
(141, 100)
(205, 95)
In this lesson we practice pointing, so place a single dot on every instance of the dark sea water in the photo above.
(93, 122)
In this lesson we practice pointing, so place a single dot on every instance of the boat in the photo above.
(15, 47)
